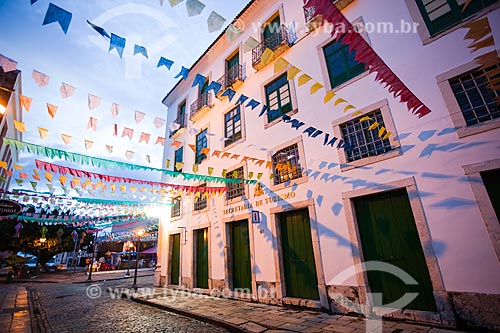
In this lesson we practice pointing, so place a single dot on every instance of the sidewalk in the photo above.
(243, 316)
(14, 310)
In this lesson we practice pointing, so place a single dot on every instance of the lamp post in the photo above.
(128, 259)
(42, 241)
(92, 258)
(140, 232)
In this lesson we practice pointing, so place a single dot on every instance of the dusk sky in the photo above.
(81, 59)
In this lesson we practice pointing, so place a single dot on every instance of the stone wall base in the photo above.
(473, 310)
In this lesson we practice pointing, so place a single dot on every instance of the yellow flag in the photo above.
(195, 168)
(250, 175)
(280, 65)
(366, 118)
(292, 73)
(43, 132)
(328, 96)
(381, 131)
(62, 180)
(315, 87)
(20, 126)
(267, 56)
(340, 100)
(178, 166)
(374, 125)
(387, 135)
(210, 171)
(303, 79)
(167, 164)
(66, 138)
(347, 108)
(3, 164)
(18, 167)
(224, 172)
(48, 176)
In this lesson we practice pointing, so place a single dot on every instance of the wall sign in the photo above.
(255, 216)
(9, 207)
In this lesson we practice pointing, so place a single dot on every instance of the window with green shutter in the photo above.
(341, 63)
(278, 98)
(440, 15)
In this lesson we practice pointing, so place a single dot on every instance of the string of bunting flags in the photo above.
(57, 14)
(50, 167)
(109, 164)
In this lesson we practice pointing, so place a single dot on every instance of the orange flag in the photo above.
(26, 102)
(66, 138)
(52, 109)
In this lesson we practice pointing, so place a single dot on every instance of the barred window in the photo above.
(232, 126)
(201, 202)
(477, 102)
(235, 190)
(176, 207)
(286, 164)
(364, 142)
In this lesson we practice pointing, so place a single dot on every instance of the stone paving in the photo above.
(14, 309)
(257, 317)
(69, 307)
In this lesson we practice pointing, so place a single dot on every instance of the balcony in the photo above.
(201, 106)
(233, 78)
(277, 42)
(181, 120)
(313, 21)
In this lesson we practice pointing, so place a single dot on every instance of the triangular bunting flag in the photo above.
(92, 123)
(20, 126)
(328, 96)
(161, 140)
(267, 56)
(159, 122)
(280, 65)
(43, 132)
(184, 73)
(66, 90)
(292, 73)
(165, 62)
(52, 109)
(129, 154)
(26, 102)
(144, 137)
(315, 87)
(40, 78)
(215, 22)
(139, 116)
(114, 109)
(194, 7)
(128, 132)
(89, 144)
(7, 63)
(94, 101)
(100, 30)
(303, 79)
(66, 138)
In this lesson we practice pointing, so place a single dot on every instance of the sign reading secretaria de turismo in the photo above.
(9, 207)
(259, 202)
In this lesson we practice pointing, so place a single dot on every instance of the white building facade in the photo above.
(420, 198)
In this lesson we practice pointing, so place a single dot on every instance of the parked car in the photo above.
(51, 265)
(5, 268)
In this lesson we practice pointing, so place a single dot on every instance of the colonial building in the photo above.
(10, 110)
(347, 174)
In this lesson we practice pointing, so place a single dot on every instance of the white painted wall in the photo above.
(460, 240)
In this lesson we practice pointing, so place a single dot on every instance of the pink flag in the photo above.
(128, 132)
(92, 123)
(139, 116)
(162, 141)
(145, 137)
(40, 78)
(94, 101)
(114, 109)
(66, 90)
(159, 122)
(7, 63)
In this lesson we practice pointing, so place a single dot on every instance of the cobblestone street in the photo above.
(65, 307)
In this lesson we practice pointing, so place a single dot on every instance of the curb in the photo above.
(112, 279)
(230, 327)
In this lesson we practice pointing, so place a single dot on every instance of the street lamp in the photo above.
(92, 258)
(140, 232)
(128, 247)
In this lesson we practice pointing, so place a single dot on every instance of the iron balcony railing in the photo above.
(309, 13)
(272, 42)
(181, 120)
(205, 99)
(232, 75)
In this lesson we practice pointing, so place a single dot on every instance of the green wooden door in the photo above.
(491, 179)
(175, 255)
(201, 247)
(240, 243)
(388, 234)
(298, 258)
(271, 28)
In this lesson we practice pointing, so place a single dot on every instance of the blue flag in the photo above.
(215, 86)
(165, 62)
(140, 49)
(184, 73)
(100, 30)
(242, 99)
(253, 103)
(57, 14)
(199, 80)
(229, 93)
(33, 1)
(117, 43)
